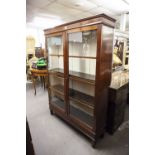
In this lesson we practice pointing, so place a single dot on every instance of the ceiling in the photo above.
(49, 13)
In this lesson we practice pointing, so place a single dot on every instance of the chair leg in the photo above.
(34, 85)
(44, 81)
(41, 81)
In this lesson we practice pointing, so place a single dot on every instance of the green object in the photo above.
(41, 62)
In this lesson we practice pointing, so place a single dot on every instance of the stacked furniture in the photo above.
(79, 57)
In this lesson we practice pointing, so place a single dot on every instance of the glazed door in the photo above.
(82, 48)
(56, 71)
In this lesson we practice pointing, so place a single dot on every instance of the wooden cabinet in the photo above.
(118, 99)
(80, 66)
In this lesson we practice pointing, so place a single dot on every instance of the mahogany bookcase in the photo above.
(79, 58)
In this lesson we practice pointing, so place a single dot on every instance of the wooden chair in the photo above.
(43, 74)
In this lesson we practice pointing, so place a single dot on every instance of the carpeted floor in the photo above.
(52, 136)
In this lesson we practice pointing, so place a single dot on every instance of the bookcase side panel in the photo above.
(103, 75)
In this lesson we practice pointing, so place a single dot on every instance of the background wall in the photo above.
(37, 34)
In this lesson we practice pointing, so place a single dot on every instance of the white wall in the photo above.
(38, 34)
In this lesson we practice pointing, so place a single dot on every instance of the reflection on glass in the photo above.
(83, 43)
(55, 63)
(81, 96)
(82, 63)
(84, 88)
(80, 114)
(57, 91)
(55, 45)
(55, 53)
(83, 66)
(82, 53)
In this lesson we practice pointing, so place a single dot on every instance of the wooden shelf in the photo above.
(58, 88)
(81, 98)
(83, 107)
(60, 70)
(82, 77)
(73, 56)
(82, 116)
(56, 55)
(57, 72)
(75, 95)
(58, 102)
(79, 76)
(85, 57)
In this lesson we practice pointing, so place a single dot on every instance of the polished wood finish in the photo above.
(99, 19)
(83, 57)
(81, 97)
(81, 29)
(80, 75)
(93, 124)
(56, 55)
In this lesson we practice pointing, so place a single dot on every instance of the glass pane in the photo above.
(80, 114)
(83, 43)
(82, 67)
(57, 91)
(82, 87)
(55, 54)
(55, 63)
(55, 45)
(82, 54)
(81, 96)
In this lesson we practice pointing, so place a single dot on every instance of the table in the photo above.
(39, 73)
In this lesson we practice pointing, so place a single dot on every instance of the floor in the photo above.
(51, 135)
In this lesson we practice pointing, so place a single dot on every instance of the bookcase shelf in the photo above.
(79, 76)
(83, 77)
(58, 88)
(56, 55)
(81, 115)
(58, 102)
(82, 98)
(75, 95)
(56, 72)
(83, 57)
